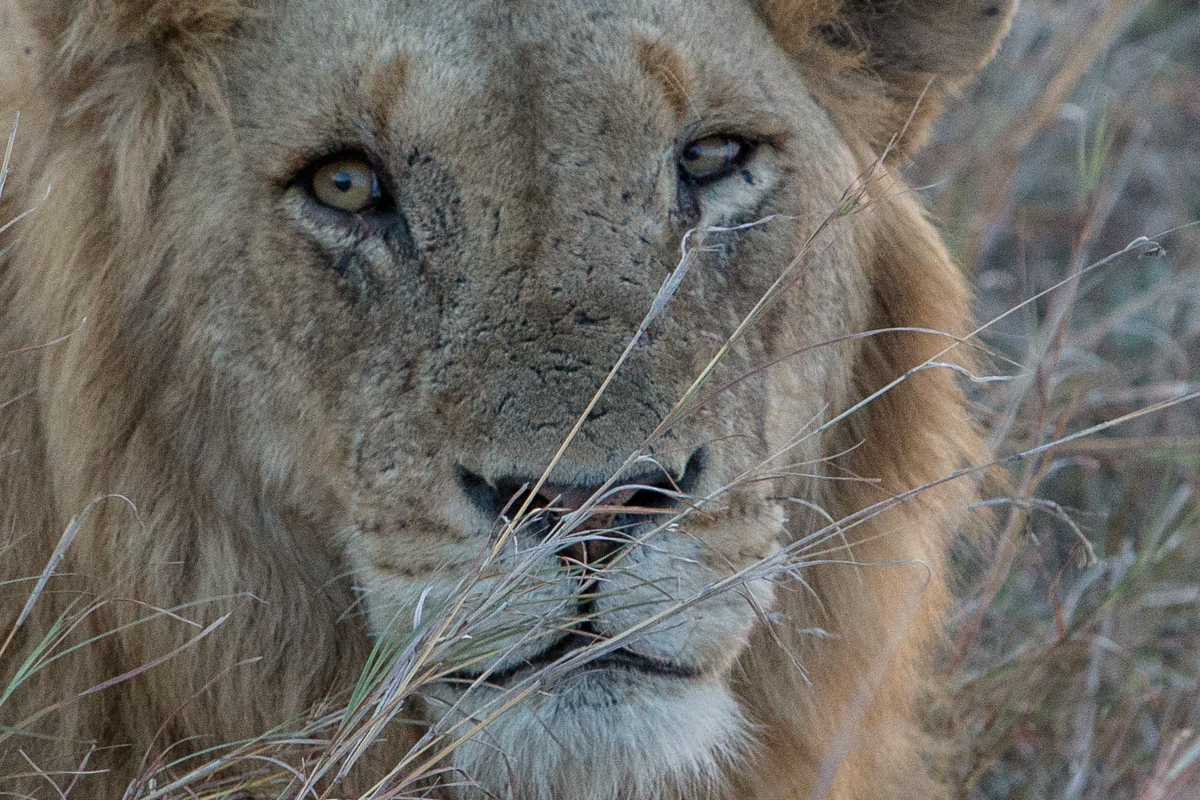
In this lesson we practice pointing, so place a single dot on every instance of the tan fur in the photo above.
(276, 407)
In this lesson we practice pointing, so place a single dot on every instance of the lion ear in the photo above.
(918, 50)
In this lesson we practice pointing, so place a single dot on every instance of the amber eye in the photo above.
(348, 184)
(711, 158)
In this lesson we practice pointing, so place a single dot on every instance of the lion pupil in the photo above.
(343, 181)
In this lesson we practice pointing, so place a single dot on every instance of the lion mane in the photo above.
(297, 297)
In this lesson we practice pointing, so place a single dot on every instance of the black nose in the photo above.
(636, 497)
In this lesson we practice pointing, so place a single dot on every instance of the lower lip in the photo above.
(618, 660)
(634, 662)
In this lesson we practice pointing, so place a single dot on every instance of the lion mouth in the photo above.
(602, 533)
(579, 642)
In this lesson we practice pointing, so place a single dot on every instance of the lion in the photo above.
(320, 317)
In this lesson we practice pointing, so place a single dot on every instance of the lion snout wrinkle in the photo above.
(319, 292)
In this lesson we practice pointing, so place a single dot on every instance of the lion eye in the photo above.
(347, 184)
(711, 158)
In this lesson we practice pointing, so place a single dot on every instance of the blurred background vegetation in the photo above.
(1074, 659)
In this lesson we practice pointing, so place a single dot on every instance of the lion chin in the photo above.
(604, 732)
(591, 355)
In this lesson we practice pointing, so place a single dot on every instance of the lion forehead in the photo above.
(480, 74)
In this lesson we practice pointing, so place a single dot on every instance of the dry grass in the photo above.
(1074, 664)
(1072, 676)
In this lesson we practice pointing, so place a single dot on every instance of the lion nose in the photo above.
(556, 501)
(601, 517)
(609, 513)
(645, 496)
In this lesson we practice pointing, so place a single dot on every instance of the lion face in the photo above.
(447, 236)
(356, 280)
